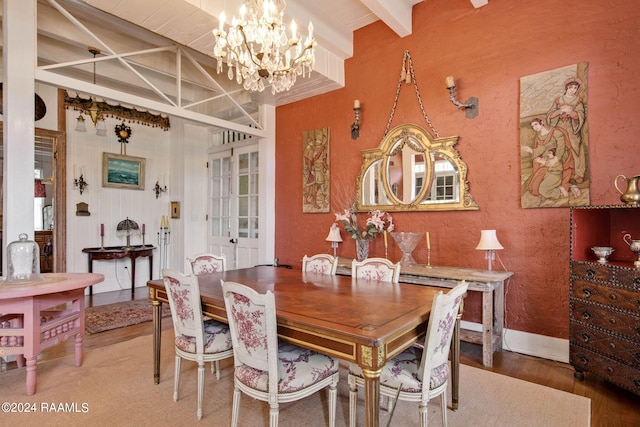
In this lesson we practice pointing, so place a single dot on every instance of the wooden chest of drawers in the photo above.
(605, 300)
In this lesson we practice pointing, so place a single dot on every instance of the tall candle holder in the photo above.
(428, 258)
(164, 238)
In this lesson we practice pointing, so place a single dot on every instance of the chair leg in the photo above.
(213, 364)
(423, 408)
(176, 381)
(200, 388)
(236, 407)
(333, 399)
(353, 401)
(443, 405)
(217, 365)
(273, 415)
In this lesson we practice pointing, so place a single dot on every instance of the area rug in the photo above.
(118, 315)
(115, 386)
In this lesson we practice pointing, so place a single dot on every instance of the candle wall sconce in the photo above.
(158, 189)
(470, 106)
(80, 184)
(355, 127)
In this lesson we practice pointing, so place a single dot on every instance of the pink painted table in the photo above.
(42, 313)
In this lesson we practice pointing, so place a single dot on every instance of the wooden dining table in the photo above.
(356, 320)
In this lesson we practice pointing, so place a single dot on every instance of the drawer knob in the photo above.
(613, 297)
(586, 315)
(586, 337)
(612, 346)
(612, 321)
(591, 274)
(584, 360)
(586, 292)
(610, 369)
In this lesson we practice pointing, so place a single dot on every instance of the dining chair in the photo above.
(418, 374)
(320, 263)
(196, 339)
(380, 269)
(265, 368)
(206, 263)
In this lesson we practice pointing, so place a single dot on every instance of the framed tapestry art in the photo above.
(554, 138)
(315, 171)
(119, 171)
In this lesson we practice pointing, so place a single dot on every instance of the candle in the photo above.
(428, 242)
(142, 228)
(162, 221)
(385, 238)
(450, 82)
(166, 219)
(356, 103)
(102, 229)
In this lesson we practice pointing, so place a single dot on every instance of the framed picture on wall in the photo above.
(119, 171)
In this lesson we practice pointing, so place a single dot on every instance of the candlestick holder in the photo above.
(428, 258)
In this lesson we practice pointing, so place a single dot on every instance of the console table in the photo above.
(490, 283)
(119, 252)
(31, 321)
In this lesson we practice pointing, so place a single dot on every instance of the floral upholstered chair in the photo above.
(196, 339)
(266, 369)
(320, 263)
(206, 263)
(379, 269)
(418, 374)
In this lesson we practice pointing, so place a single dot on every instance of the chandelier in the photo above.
(93, 111)
(256, 47)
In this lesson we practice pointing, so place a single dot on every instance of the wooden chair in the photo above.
(418, 374)
(196, 339)
(266, 369)
(320, 263)
(380, 269)
(206, 263)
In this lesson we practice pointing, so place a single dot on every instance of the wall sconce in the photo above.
(158, 189)
(471, 104)
(489, 242)
(334, 237)
(80, 184)
(355, 127)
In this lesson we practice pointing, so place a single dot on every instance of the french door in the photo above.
(233, 205)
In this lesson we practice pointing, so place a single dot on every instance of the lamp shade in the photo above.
(334, 234)
(489, 240)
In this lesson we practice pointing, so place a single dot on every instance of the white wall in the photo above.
(169, 154)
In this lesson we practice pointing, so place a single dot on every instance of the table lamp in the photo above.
(489, 242)
(334, 237)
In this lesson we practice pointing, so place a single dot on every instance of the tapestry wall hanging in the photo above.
(315, 171)
(554, 138)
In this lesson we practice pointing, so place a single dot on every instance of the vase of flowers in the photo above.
(376, 223)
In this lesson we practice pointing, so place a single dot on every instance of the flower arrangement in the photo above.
(376, 223)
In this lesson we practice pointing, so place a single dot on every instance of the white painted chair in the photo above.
(266, 369)
(206, 263)
(379, 269)
(320, 263)
(196, 339)
(419, 374)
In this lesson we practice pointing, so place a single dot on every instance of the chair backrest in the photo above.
(442, 319)
(253, 327)
(320, 263)
(380, 269)
(206, 263)
(186, 309)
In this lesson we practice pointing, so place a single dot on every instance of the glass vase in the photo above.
(362, 249)
(407, 242)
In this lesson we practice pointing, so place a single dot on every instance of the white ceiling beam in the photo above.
(397, 14)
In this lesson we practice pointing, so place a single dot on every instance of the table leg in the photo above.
(487, 329)
(133, 275)
(372, 396)
(31, 323)
(455, 360)
(90, 271)
(157, 336)
(150, 267)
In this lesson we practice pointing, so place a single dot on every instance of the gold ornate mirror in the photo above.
(411, 171)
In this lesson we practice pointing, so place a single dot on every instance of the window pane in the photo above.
(243, 206)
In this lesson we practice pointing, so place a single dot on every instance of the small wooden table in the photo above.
(356, 320)
(490, 283)
(119, 252)
(29, 322)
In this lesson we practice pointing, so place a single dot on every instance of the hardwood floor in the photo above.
(611, 406)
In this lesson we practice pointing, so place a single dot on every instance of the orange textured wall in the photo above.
(487, 50)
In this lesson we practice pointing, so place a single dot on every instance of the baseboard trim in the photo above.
(528, 343)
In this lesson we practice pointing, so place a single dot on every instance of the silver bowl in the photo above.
(602, 252)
